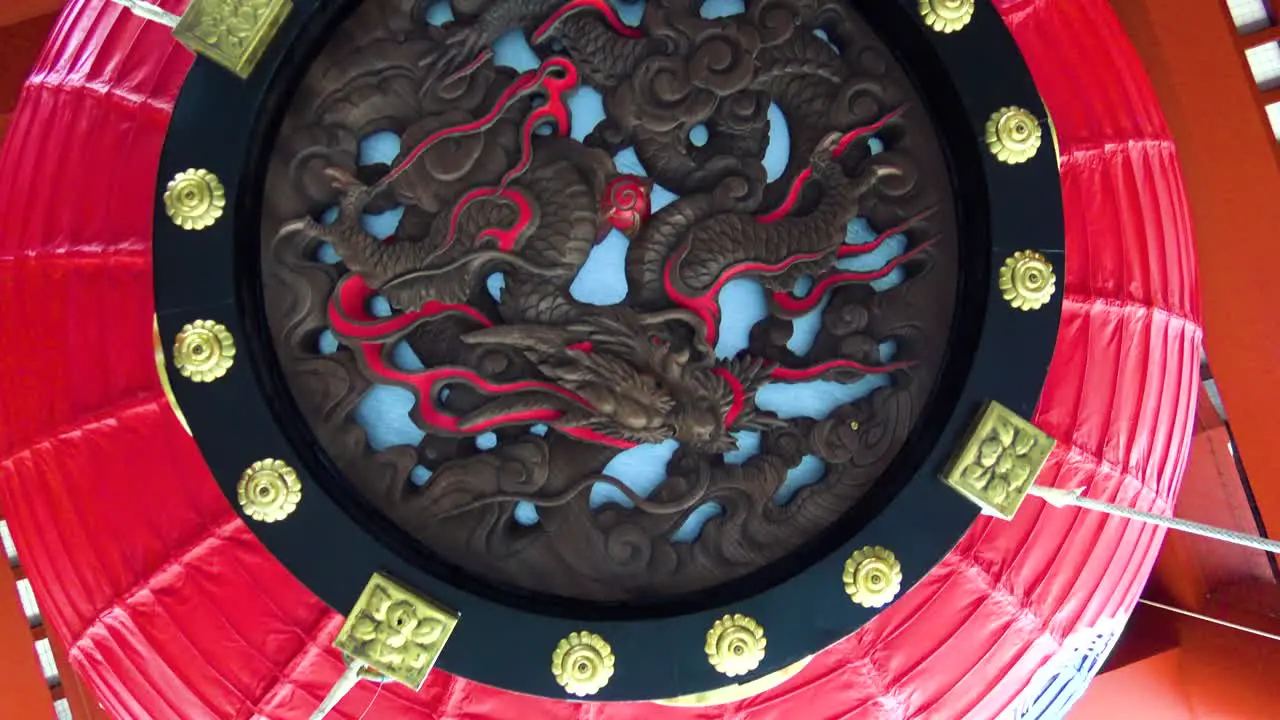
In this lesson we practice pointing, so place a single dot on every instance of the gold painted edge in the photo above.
(1053, 132)
(163, 371)
(448, 617)
(243, 64)
(978, 428)
(736, 692)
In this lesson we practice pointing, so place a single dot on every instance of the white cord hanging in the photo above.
(1064, 498)
(346, 682)
(147, 11)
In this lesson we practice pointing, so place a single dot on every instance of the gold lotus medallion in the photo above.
(735, 645)
(1027, 280)
(204, 351)
(195, 199)
(947, 16)
(269, 490)
(1013, 135)
(582, 663)
(872, 576)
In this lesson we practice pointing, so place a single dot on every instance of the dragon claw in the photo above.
(470, 67)
(458, 56)
(304, 226)
(829, 142)
(342, 180)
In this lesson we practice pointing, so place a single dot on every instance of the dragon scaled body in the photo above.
(617, 375)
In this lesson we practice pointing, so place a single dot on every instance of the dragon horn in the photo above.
(534, 337)
(513, 409)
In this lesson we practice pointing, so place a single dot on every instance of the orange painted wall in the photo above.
(20, 43)
(1229, 675)
(1214, 673)
(23, 693)
(15, 11)
(1147, 690)
(1227, 151)
(24, 25)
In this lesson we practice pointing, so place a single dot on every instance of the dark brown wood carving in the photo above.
(492, 182)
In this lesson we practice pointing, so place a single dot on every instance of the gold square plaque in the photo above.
(396, 631)
(999, 461)
(232, 33)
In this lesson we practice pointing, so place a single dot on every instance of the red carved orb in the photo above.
(625, 205)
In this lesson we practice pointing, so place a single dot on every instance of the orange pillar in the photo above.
(1227, 151)
(1191, 566)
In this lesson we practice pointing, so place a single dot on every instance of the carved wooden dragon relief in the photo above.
(491, 182)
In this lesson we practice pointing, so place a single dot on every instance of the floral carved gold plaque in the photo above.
(232, 33)
(999, 460)
(396, 631)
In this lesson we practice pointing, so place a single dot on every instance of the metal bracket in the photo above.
(396, 631)
(1000, 459)
(232, 33)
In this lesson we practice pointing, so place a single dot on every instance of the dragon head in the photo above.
(700, 424)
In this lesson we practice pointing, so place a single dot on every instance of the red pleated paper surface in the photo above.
(172, 609)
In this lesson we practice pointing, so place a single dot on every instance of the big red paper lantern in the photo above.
(171, 608)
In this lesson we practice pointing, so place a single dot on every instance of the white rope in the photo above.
(1208, 619)
(345, 683)
(1063, 498)
(147, 11)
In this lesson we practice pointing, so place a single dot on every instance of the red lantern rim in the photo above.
(170, 607)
